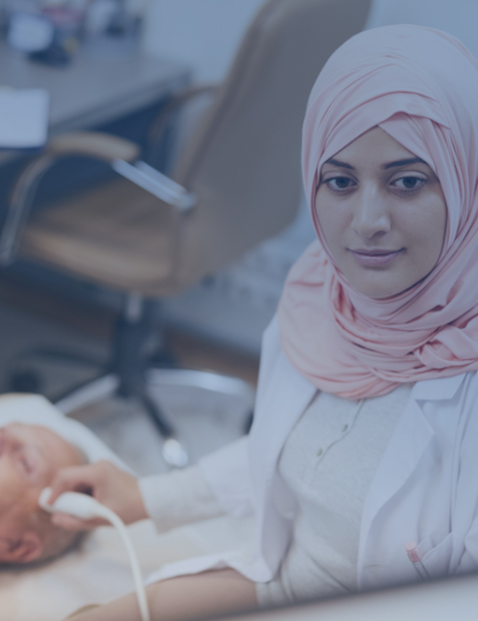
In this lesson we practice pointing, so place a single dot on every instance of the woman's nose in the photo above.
(370, 213)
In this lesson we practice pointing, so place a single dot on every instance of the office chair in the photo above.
(235, 183)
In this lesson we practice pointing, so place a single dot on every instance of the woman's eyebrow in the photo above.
(406, 162)
(339, 164)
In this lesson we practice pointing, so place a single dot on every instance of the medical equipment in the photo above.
(86, 508)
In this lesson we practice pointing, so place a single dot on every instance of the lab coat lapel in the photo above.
(287, 396)
(411, 438)
(408, 443)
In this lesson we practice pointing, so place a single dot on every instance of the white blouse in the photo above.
(330, 478)
(425, 489)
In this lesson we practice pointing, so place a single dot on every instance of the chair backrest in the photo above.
(244, 159)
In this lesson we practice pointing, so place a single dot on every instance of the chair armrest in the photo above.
(157, 184)
(120, 154)
(90, 144)
(19, 206)
(115, 151)
(93, 144)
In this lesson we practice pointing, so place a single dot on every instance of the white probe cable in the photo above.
(86, 508)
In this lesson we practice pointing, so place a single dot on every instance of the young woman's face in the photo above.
(383, 214)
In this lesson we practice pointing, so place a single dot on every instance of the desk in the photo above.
(94, 89)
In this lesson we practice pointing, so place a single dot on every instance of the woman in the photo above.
(360, 466)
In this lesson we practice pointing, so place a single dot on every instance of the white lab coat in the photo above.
(425, 490)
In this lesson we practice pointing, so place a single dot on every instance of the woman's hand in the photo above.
(108, 484)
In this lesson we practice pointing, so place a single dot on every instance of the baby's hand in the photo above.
(108, 484)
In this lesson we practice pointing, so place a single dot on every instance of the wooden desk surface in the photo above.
(94, 89)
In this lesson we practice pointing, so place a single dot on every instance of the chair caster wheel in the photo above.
(174, 454)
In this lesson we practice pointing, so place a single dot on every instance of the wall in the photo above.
(235, 306)
(202, 33)
(458, 17)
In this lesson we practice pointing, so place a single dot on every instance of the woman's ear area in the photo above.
(24, 548)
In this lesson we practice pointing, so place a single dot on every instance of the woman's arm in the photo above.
(111, 486)
(178, 497)
(172, 499)
(183, 599)
(220, 484)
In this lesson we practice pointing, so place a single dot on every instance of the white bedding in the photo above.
(98, 571)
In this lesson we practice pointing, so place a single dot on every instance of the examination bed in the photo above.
(98, 570)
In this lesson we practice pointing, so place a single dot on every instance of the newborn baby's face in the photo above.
(30, 456)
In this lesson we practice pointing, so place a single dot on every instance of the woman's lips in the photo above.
(375, 258)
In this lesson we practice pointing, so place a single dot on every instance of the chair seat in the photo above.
(116, 235)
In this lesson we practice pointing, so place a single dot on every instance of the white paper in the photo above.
(23, 118)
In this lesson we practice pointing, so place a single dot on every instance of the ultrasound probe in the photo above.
(86, 508)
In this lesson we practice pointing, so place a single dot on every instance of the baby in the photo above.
(30, 456)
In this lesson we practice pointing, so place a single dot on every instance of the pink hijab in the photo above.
(421, 86)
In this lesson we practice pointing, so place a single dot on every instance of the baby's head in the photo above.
(30, 456)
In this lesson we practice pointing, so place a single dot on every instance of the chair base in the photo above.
(109, 385)
(138, 345)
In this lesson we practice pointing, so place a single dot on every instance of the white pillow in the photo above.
(36, 410)
(99, 570)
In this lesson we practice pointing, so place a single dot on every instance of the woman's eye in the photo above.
(339, 184)
(409, 183)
